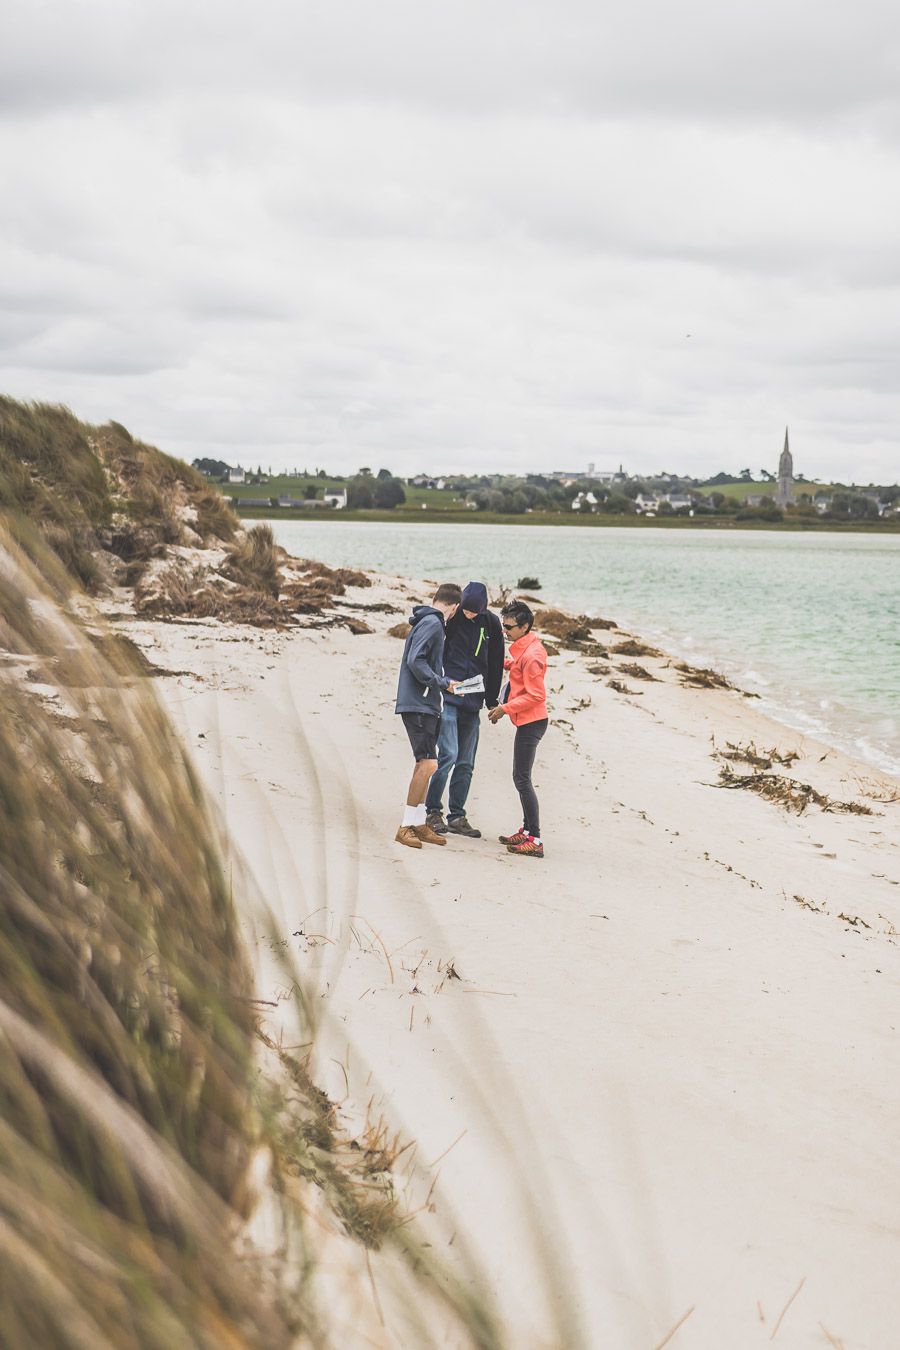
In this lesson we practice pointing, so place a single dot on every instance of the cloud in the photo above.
(443, 236)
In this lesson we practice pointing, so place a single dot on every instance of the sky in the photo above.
(459, 237)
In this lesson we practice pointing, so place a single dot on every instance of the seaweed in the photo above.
(788, 792)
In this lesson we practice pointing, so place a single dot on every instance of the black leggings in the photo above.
(526, 743)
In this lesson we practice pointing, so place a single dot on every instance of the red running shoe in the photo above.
(518, 838)
(529, 848)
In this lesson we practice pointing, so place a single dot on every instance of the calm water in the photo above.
(809, 621)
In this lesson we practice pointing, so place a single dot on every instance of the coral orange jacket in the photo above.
(527, 666)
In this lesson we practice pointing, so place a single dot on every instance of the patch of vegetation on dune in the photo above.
(116, 511)
(97, 495)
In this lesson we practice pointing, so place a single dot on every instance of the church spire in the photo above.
(785, 492)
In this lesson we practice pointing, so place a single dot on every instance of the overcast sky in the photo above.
(451, 236)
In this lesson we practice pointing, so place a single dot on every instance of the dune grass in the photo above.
(143, 1116)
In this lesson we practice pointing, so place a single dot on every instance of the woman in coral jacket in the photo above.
(526, 708)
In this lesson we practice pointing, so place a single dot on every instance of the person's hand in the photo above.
(496, 713)
(451, 687)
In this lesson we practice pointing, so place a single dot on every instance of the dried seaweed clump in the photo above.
(787, 792)
(759, 759)
(696, 677)
(621, 688)
(631, 647)
(636, 672)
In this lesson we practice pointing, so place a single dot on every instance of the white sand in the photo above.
(669, 1072)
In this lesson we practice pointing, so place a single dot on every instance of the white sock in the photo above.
(409, 815)
(420, 814)
(535, 839)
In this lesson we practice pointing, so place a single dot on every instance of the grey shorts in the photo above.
(422, 730)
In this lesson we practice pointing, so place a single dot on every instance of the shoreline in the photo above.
(580, 521)
(645, 1028)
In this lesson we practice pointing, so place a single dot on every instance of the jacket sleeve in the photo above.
(495, 661)
(533, 690)
(421, 652)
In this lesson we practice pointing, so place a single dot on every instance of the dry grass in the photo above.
(254, 561)
(135, 1112)
(88, 488)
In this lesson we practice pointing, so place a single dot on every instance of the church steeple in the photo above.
(785, 492)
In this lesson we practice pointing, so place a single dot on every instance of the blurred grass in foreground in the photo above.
(141, 1116)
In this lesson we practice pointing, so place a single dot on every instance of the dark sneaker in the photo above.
(435, 821)
(518, 838)
(527, 849)
(460, 825)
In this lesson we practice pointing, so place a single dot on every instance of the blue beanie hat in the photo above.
(475, 597)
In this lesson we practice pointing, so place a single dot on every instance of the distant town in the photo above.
(766, 496)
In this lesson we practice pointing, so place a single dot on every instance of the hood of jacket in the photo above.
(421, 612)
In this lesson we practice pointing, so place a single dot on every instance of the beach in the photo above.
(654, 1073)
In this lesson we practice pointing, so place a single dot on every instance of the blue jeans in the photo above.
(457, 745)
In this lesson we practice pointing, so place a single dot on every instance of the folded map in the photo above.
(474, 685)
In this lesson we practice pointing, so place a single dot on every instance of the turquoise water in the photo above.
(811, 622)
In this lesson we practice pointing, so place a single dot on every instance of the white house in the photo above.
(678, 500)
(645, 505)
(582, 497)
(336, 498)
(236, 475)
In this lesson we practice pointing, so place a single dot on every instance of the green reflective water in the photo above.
(809, 621)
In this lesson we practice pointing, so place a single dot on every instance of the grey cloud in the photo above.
(428, 236)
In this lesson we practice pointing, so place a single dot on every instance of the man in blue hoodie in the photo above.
(419, 690)
(473, 646)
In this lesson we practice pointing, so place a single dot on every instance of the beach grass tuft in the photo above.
(145, 1117)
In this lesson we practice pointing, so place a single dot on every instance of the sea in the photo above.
(809, 622)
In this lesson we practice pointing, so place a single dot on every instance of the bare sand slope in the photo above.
(666, 1080)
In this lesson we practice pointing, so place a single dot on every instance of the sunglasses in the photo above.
(508, 627)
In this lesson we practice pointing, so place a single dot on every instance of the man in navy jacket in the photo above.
(473, 645)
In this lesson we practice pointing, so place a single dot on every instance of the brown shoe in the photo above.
(407, 835)
(427, 834)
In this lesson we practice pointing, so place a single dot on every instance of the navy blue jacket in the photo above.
(421, 671)
(475, 647)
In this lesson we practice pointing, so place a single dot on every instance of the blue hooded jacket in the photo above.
(422, 675)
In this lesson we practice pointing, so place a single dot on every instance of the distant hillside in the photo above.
(95, 491)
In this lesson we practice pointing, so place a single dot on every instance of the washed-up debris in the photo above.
(375, 607)
(528, 584)
(636, 672)
(621, 688)
(399, 630)
(631, 647)
(787, 792)
(696, 677)
(598, 670)
(759, 759)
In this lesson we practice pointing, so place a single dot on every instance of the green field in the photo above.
(284, 486)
